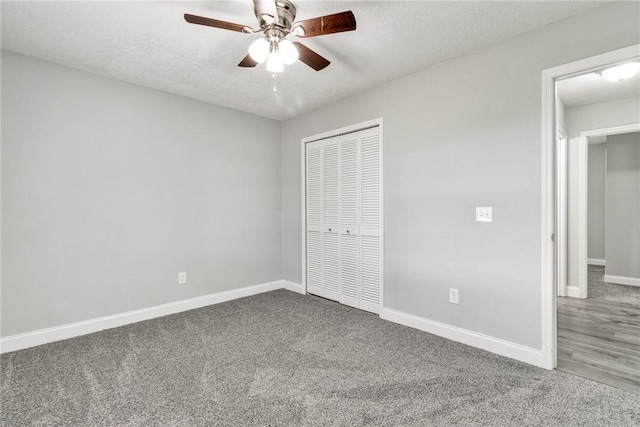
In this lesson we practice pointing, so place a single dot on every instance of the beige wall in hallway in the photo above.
(623, 206)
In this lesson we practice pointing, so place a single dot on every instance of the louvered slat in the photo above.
(349, 184)
(314, 261)
(370, 269)
(370, 222)
(370, 183)
(331, 266)
(314, 218)
(349, 269)
(314, 186)
(331, 184)
(349, 290)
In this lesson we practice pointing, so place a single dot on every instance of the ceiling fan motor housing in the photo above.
(286, 16)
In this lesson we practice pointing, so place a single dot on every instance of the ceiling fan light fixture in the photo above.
(621, 72)
(276, 20)
(288, 52)
(268, 19)
(259, 50)
(274, 62)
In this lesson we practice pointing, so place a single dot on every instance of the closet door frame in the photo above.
(303, 150)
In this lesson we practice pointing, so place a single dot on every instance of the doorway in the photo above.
(564, 283)
(598, 321)
(581, 203)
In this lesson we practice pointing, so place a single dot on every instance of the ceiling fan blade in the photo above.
(329, 24)
(210, 22)
(266, 7)
(310, 58)
(247, 61)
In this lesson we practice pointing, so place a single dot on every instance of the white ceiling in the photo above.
(592, 88)
(150, 44)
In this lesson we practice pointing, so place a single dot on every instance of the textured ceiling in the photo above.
(591, 88)
(150, 44)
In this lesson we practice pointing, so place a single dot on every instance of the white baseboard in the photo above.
(474, 339)
(575, 292)
(57, 333)
(622, 280)
(292, 286)
(594, 261)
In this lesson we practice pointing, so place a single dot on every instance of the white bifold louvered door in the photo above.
(344, 218)
(314, 218)
(331, 210)
(370, 221)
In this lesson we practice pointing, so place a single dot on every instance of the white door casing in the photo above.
(561, 207)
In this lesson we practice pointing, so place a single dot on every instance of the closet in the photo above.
(344, 218)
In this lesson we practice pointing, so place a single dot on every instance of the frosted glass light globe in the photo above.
(288, 52)
(274, 62)
(259, 50)
(621, 72)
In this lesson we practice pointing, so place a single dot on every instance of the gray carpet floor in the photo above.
(597, 288)
(283, 359)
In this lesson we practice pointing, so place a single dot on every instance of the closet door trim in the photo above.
(303, 150)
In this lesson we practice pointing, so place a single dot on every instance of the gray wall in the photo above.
(596, 203)
(623, 205)
(456, 136)
(617, 112)
(110, 189)
(600, 115)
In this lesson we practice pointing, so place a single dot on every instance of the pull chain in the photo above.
(275, 88)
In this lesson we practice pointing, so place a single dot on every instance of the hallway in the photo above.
(600, 340)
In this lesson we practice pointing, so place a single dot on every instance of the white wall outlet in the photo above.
(454, 296)
(484, 214)
(182, 278)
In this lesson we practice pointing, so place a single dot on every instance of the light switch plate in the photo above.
(484, 214)
(454, 296)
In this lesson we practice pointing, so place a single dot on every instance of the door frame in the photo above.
(561, 237)
(583, 207)
(548, 202)
(303, 189)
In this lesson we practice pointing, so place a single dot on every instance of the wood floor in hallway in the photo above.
(600, 340)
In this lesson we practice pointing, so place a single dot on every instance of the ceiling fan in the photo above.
(277, 21)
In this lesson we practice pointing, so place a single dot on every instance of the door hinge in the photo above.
(553, 237)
